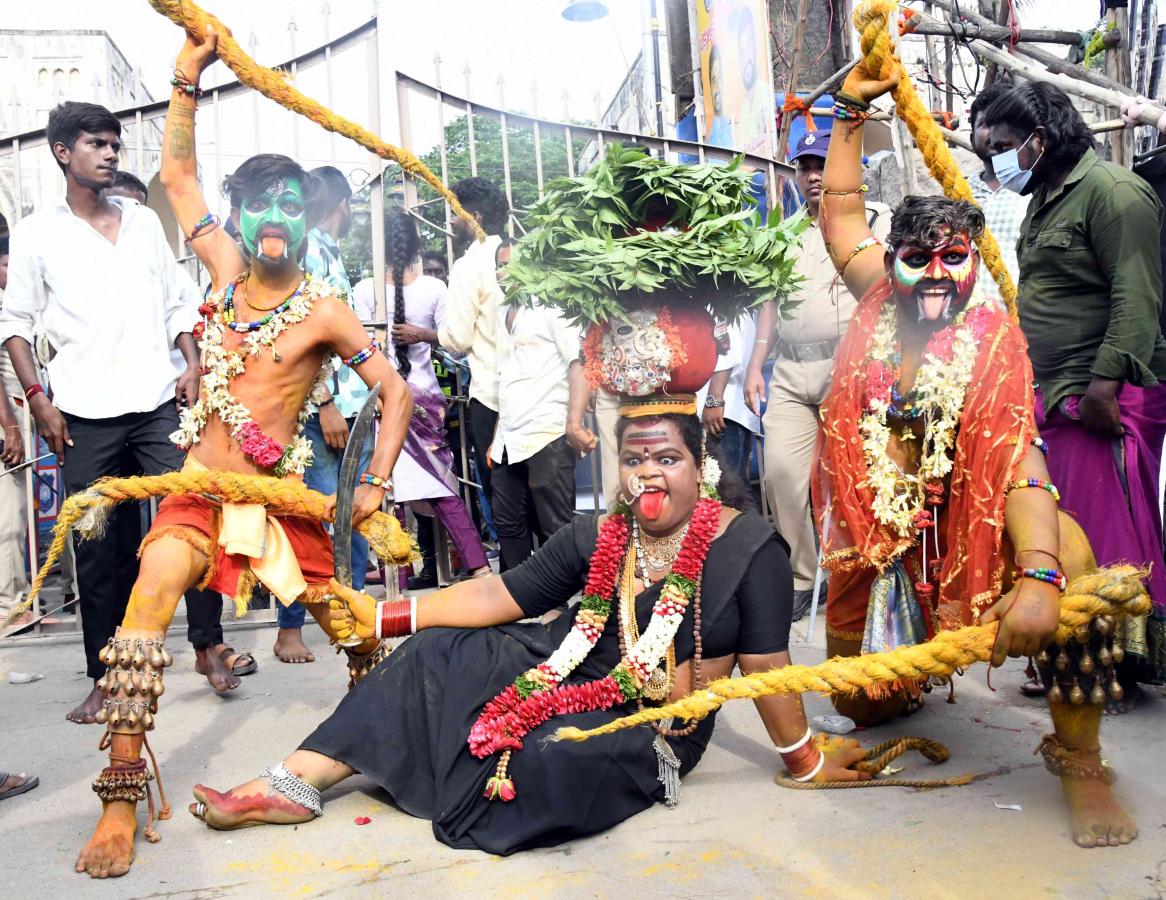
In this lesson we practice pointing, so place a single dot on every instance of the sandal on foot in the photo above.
(239, 662)
(23, 788)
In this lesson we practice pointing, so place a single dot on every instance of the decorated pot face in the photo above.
(658, 348)
(635, 354)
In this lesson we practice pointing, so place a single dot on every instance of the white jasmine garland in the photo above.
(940, 389)
(220, 365)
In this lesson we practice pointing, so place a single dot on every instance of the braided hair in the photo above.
(402, 246)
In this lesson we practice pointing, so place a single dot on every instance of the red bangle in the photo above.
(801, 761)
(396, 618)
(32, 390)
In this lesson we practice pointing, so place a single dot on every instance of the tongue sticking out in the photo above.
(651, 504)
(272, 247)
(932, 304)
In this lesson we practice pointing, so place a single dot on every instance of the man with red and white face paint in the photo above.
(930, 486)
(935, 278)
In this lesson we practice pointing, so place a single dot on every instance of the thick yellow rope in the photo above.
(87, 511)
(876, 760)
(273, 85)
(873, 19)
(1113, 591)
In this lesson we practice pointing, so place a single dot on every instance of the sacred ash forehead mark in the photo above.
(647, 438)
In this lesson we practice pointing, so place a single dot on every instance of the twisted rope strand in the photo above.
(877, 758)
(87, 510)
(873, 19)
(273, 85)
(1112, 591)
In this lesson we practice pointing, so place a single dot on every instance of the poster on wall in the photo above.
(736, 79)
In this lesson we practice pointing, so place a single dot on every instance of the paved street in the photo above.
(735, 833)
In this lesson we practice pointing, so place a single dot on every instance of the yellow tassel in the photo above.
(243, 589)
(385, 535)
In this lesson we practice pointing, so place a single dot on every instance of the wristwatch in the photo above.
(711, 402)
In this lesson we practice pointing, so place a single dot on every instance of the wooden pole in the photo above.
(1051, 62)
(995, 33)
(1150, 113)
(795, 59)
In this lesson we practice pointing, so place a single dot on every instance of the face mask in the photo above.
(1007, 168)
(273, 222)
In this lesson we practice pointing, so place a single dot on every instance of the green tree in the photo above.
(357, 246)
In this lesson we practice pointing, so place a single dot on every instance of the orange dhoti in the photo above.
(200, 522)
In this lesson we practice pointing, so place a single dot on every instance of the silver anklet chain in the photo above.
(295, 789)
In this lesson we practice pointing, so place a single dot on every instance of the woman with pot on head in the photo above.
(423, 476)
(677, 589)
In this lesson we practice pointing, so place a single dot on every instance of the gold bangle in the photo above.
(861, 189)
(866, 244)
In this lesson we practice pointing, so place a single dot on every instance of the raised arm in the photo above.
(853, 250)
(179, 170)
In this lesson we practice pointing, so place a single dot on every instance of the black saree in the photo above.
(405, 725)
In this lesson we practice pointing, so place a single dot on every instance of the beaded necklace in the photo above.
(247, 327)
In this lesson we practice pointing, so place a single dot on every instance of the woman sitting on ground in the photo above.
(711, 589)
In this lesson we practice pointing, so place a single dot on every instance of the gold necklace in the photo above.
(658, 553)
(662, 679)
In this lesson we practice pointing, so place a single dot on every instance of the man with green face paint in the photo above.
(267, 331)
(273, 221)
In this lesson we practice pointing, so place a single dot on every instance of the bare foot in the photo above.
(1131, 694)
(290, 646)
(84, 714)
(249, 804)
(207, 663)
(1098, 820)
(111, 849)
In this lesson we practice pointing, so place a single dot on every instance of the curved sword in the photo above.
(346, 488)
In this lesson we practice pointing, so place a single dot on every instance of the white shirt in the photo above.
(534, 355)
(112, 311)
(742, 333)
(425, 300)
(472, 317)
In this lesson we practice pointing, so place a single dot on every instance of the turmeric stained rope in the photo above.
(871, 18)
(274, 86)
(1112, 591)
(876, 760)
(88, 510)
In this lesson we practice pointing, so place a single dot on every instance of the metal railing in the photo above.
(143, 122)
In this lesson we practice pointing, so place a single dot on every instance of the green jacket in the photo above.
(1091, 281)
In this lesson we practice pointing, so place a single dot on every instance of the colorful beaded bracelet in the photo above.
(849, 113)
(1035, 483)
(1041, 445)
(207, 223)
(357, 358)
(1048, 576)
(383, 483)
(184, 84)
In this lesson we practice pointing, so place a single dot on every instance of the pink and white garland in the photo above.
(538, 694)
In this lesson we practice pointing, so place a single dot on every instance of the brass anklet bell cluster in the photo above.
(1084, 668)
(360, 664)
(123, 782)
(132, 684)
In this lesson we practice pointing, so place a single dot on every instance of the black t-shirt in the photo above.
(746, 591)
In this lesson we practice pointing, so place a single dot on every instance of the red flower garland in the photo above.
(508, 718)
